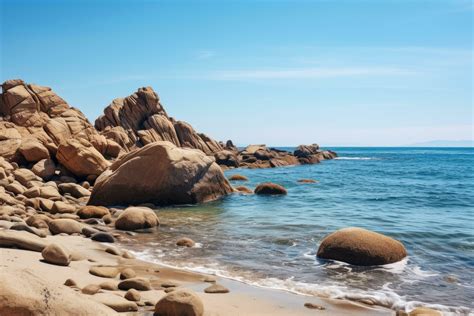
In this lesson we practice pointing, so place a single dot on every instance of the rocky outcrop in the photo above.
(260, 156)
(162, 174)
(140, 119)
(35, 123)
(361, 247)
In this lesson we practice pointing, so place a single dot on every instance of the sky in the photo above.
(281, 73)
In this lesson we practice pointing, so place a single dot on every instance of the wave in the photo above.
(385, 296)
(357, 158)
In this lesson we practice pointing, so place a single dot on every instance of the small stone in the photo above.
(103, 237)
(56, 254)
(269, 188)
(185, 242)
(169, 289)
(139, 284)
(89, 231)
(314, 306)
(168, 284)
(70, 282)
(216, 289)
(114, 251)
(104, 271)
(209, 279)
(238, 177)
(116, 302)
(132, 295)
(127, 273)
(109, 285)
(128, 255)
(91, 289)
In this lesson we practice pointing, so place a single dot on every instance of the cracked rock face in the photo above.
(36, 122)
(140, 119)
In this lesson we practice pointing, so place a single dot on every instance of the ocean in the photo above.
(423, 197)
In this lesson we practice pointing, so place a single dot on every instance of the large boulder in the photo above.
(81, 158)
(23, 292)
(361, 247)
(180, 302)
(136, 218)
(162, 174)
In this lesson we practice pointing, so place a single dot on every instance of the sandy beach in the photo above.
(242, 299)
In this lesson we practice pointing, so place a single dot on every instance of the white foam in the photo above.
(385, 296)
(356, 158)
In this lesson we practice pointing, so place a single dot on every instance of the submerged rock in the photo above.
(238, 177)
(361, 247)
(162, 174)
(185, 242)
(269, 188)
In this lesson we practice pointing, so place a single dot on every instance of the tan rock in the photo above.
(21, 240)
(117, 303)
(127, 273)
(238, 177)
(134, 218)
(269, 188)
(362, 247)
(104, 271)
(132, 295)
(140, 284)
(74, 189)
(216, 289)
(182, 176)
(180, 302)
(90, 289)
(33, 150)
(63, 208)
(109, 286)
(44, 169)
(185, 242)
(81, 158)
(56, 254)
(91, 211)
(64, 225)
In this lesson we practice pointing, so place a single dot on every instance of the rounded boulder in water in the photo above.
(361, 247)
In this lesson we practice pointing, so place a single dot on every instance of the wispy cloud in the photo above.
(308, 73)
(205, 54)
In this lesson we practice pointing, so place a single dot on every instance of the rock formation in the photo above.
(140, 119)
(36, 124)
(260, 156)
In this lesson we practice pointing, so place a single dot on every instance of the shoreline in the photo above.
(243, 299)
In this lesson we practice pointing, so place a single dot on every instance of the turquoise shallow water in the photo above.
(423, 197)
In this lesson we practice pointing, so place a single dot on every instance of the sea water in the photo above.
(423, 197)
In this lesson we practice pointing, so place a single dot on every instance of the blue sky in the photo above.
(341, 72)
